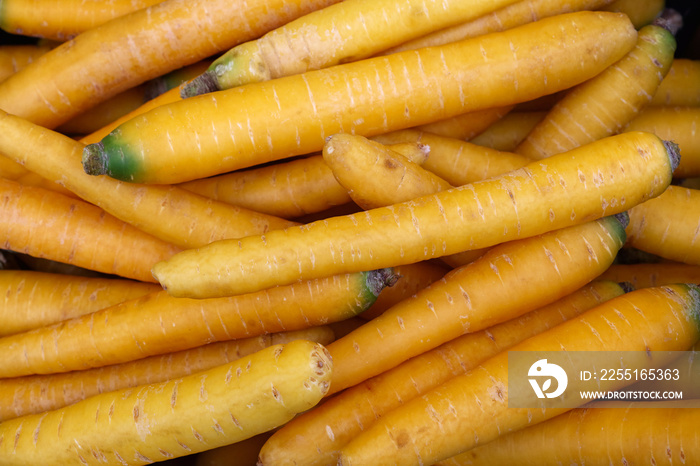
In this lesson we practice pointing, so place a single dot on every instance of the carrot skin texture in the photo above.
(645, 275)
(681, 86)
(601, 434)
(38, 393)
(158, 323)
(472, 409)
(48, 225)
(304, 109)
(603, 105)
(156, 422)
(33, 299)
(572, 188)
(477, 296)
(374, 397)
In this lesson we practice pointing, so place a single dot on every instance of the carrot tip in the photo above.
(674, 154)
(202, 84)
(627, 286)
(623, 218)
(669, 19)
(94, 159)
(379, 279)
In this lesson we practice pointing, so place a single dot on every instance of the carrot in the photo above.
(329, 427)
(514, 15)
(126, 51)
(34, 394)
(158, 323)
(641, 13)
(472, 409)
(681, 86)
(294, 115)
(499, 286)
(668, 226)
(34, 299)
(170, 213)
(179, 417)
(606, 432)
(603, 105)
(27, 178)
(63, 21)
(679, 124)
(46, 224)
(646, 275)
(15, 57)
(315, 41)
(467, 125)
(458, 162)
(511, 130)
(245, 452)
(577, 186)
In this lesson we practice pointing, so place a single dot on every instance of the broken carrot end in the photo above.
(674, 153)
(202, 84)
(94, 159)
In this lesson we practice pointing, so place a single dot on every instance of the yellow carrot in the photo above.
(509, 280)
(46, 224)
(577, 186)
(606, 103)
(180, 417)
(126, 51)
(170, 213)
(295, 114)
(34, 299)
(677, 124)
(158, 323)
(645, 275)
(514, 15)
(511, 130)
(668, 225)
(602, 433)
(15, 57)
(472, 409)
(315, 41)
(467, 125)
(681, 86)
(640, 12)
(329, 427)
(38, 393)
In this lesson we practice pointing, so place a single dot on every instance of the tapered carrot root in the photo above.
(572, 188)
(170, 213)
(601, 434)
(183, 416)
(668, 226)
(458, 162)
(378, 96)
(34, 299)
(472, 409)
(158, 323)
(64, 20)
(606, 103)
(126, 51)
(315, 41)
(514, 15)
(499, 286)
(329, 427)
(46, 224)
(38, 393)
(677, 124)
(511, 130)
(681, 86)
(647, 275)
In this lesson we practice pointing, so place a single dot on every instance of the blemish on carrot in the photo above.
(197, 435)
(165, 454)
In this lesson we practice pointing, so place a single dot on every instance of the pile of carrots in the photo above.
(309, 232)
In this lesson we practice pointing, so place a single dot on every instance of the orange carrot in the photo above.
(601, 433)
(34, 299)
(572, 188)
(38, 393)
(170, 213)
(646, 275)
(294, 115)
(156, 422)
(46, 224)
(329, 427)
(315, 41)
(668, 225)
(158, 323)
(472, 409)
(126, 51)
(509, 280)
